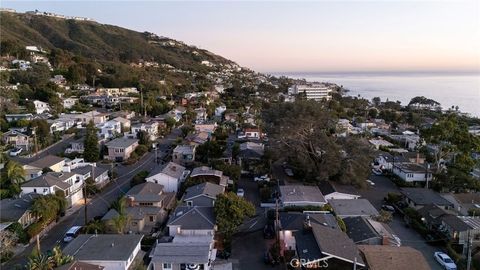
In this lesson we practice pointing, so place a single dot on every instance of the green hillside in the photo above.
(101, 42)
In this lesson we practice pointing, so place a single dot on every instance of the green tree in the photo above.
(230, 211)
(91, 152)
(42, 131)
(40, 262)
(119, 223)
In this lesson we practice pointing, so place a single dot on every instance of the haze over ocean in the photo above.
(450, 89)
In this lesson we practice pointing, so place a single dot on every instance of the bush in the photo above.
(34, 229)
(139, 178)
(20, 232)
(5, 256)
(393, 197)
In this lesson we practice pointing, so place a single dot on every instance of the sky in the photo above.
(310, 36)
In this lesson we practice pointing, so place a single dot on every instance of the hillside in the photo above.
(102, 42)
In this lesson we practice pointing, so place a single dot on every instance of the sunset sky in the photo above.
(304, 36)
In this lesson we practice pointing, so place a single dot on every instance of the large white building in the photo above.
(315, 91)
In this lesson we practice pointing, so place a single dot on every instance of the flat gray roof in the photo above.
(121, 143)
(352, 208)
(103, 247)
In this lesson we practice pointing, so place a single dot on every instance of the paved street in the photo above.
(408, 236)
(58, 147)
(98, 205)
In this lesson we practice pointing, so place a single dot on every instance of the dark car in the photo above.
(388, 208)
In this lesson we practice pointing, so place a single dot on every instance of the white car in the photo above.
(240, 192)
(262, 178)
(445, 261)
(370, 182)
(15, 152)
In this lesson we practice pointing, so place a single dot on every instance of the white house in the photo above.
(41, 107)
(109, 129)
(412, 172)
(69, 102)
(170, 176)
(150, 128)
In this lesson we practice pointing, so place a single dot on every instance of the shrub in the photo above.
(393, 197)
(20, 232)
(141, 150)
(139, 178)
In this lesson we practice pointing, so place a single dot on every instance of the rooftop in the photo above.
(412, 167)
(358, 207)
(147, 191)
(50, 179)
(171, 169)
(204, 170)
(193, 218)
(301, 193)
(393, 258)
(121, 142)
(103, 247)
(46, 161)
(183, 252)
(184, 149)
(207, 188)
(422, 196)
(13, 209)
(358, 229)
(295, 220)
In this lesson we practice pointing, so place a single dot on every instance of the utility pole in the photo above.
(427, 167)
(38, 243)
(469, 256)
(34, 132)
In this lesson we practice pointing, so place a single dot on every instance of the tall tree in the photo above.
(91, 152)
(230, 211)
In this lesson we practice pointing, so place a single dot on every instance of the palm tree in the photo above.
(40, 262)
(120, 222)
(45, 207)
(14, 172)
(96, 226)
(59, 258)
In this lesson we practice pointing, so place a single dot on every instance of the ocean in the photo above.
(462, 90)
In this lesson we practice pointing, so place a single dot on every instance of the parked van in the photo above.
(72, 233)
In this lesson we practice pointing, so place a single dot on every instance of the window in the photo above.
(151, 218)
(189, 203)
(167, 266)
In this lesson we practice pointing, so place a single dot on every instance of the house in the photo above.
(41, 107)
(330, 192)
(408, 141)
(170, 176)
(15, 117)
(377, 143)
(204, 194)
(194, 221)
(109, 129)
(124, 123)
(316, 240)
(184, 154)
(61, 124)
(392, 258)
(412, 172)
(210, 175)
(208, 128)
(201, 115)
(68, 103)
(120, 149)
(147, 207)
(366, 231)
(100, 174)
(385, 161)
(94, 116)
(420, 197)
(150, 128)
(53, 182)
(18, 139)
(76, 146)
(58, 80)
(250, 134)
(31, 172)
(51, 162)
(18, 210)
(111, 251)
(300, 195)
(198, 138)
(251, 151)
(353, 208)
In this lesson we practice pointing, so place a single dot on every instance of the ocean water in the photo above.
(462, 90)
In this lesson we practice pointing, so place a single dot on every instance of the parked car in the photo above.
(15, 152)
(370, 182)
(377, 171)
(72, 233)
(289, 172)
(388, 208)
(262, 178)
(444, 260)
(240, 192)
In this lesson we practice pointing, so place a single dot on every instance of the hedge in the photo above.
(34, 229)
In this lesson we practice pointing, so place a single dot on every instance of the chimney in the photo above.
(131, 201)
(418, 158)
(307, 225)
(385, 240)
(174, 168)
